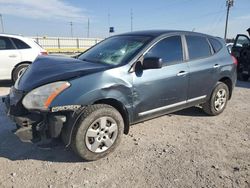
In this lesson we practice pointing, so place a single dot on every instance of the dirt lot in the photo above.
(184, 149)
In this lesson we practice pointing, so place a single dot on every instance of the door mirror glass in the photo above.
(152, 63)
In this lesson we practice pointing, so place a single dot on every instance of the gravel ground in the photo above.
(183, 149)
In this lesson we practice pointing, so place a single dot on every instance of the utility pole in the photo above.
(88, 29)
(1, 19)
(131, 19)
(229, 4)
(71, 28)
(109, 21)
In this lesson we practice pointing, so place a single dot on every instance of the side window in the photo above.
(20, 44)
(6, 44)
(169, 49)
(198, 47)
(215, 44)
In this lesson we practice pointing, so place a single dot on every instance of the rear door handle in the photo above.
(182, 73)
(216, 66)
(12, 56)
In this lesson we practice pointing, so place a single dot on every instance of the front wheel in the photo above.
(98, 132)
(218, 100)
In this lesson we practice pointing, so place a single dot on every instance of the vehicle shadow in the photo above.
(192, 111)
(13, 149)
(243, 84)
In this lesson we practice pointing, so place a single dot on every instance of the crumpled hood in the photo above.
(49, 69)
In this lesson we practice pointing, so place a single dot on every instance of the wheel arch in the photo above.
(229, 83)
(120, 108)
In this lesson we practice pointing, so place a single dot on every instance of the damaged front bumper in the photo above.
(32, 126)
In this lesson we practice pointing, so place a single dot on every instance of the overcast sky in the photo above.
(53, 17)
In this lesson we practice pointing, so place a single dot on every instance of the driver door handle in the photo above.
(182, 73)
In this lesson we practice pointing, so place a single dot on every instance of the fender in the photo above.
(68, 129)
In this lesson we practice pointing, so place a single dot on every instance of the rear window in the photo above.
(215, 44)
(198, 47)
(6, 44)
(20, 44)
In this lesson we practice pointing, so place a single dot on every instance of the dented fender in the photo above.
(114, 84)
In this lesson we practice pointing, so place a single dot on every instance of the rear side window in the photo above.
(198, 47)
(215, 44)
(169, 49)
(20, 44)
(6, 44)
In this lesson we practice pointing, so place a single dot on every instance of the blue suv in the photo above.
(91, 100)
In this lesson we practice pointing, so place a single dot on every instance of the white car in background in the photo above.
(16, 54)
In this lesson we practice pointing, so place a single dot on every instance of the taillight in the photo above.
(43, 53)
(235, 61)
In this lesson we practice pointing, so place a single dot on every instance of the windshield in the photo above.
(115, 50)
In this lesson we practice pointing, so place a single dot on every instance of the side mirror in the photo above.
(152, 63)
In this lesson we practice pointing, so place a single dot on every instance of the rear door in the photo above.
(9, 57)
(157, 91)
(204, 70)
(27, 52)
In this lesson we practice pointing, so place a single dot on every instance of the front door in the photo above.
(240, 42)
(241, 51)
(158, 91)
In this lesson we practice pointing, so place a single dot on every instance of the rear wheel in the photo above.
(18, 71)
(218, 100)
(98, 132)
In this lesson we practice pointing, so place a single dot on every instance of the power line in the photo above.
(217, 22)
(183, 20)
(230, 3)
(218, 18)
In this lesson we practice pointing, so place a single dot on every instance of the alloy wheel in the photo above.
(101, 134)
(220, 99)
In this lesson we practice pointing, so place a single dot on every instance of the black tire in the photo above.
(16, 72)
(90, 115)
(209, 107)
